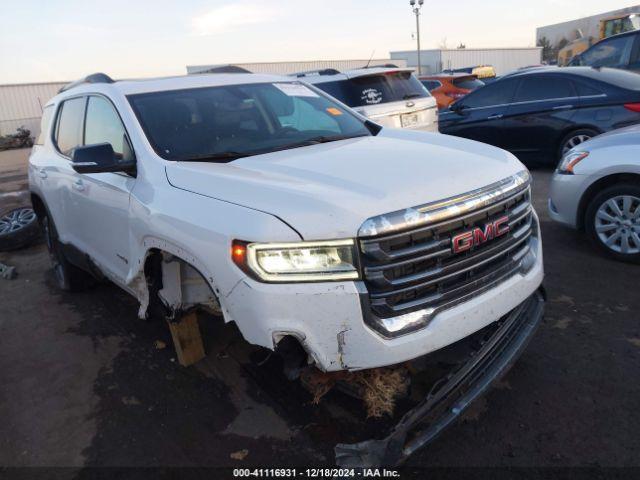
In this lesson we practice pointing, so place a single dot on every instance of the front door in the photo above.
(101, 206)
(480, 115)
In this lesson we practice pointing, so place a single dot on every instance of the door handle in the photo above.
(78, 185)
(563, 107)
(497, 116)
(42, 173)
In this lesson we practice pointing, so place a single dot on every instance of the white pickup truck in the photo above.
(266, 200)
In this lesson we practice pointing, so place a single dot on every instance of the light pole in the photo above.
(416, 10)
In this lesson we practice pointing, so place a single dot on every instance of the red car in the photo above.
(447, 88)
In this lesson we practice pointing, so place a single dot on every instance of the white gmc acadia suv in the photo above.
(264, 199)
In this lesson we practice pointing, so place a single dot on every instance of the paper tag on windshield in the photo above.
(295, 90)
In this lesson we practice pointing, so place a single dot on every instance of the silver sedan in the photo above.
(596, 188)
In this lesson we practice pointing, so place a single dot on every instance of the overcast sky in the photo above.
(59, 40)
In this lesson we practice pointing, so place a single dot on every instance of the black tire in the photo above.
(18, 228)
(574, 138)
(68, 277)
(607, 229)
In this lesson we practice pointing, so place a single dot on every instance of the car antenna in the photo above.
(371, 58)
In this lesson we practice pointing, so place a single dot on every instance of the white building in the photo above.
(504, 60)
(21, 105)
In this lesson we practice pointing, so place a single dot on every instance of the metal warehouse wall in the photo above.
(431, 59)
(21, 105)
(504, 60)
(286, 68)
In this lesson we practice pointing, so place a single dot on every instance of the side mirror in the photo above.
(100, 158)
(457, 107)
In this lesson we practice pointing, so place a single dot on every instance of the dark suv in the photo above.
(618, 51)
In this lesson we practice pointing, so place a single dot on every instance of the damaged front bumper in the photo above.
(453, 394)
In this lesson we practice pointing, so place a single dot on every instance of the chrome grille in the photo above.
(416, 269)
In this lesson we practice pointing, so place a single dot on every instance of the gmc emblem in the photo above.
(464, 242)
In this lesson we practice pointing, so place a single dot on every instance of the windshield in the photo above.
(376, 89)
(228, 122)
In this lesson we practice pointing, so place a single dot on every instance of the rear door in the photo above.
(541, 113)
(480, 115)
(101, 206)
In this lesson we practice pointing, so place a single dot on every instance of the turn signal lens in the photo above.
(570, 160)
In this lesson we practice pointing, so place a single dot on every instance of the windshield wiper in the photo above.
(409, 96)
(216, 157)
(317, 140)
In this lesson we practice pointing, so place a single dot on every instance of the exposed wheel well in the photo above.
(175, 286)
(600, 185)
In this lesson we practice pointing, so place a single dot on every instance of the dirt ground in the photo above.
(84, 384)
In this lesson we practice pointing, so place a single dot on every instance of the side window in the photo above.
(608, 53)
(69, 125)
(497, 93)
(585, 90)
(45, 123)
(544, 88)
(103, 125)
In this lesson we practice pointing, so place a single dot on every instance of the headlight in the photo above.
(570, 160)
(298, 262)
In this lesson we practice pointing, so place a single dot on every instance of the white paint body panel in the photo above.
(615, 152)
(195, 210)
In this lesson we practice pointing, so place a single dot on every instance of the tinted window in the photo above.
(431, 84)
(375, 89)
(45, 123)
(240, 120)
(103, 125)
(544, 88)
(585, 90)
(69, 127)
(608, 53)
(468, 83)
(497, 93)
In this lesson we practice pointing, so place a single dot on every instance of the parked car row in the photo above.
(539, 114)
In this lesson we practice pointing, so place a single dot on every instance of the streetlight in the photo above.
(416, 10)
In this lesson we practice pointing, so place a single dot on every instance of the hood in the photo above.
(329, 190)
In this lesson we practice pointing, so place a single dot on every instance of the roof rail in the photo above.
(322, 71)
(93, 78)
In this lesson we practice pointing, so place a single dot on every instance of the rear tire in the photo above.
(612, 221)
(68, 277)
(575, 138)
